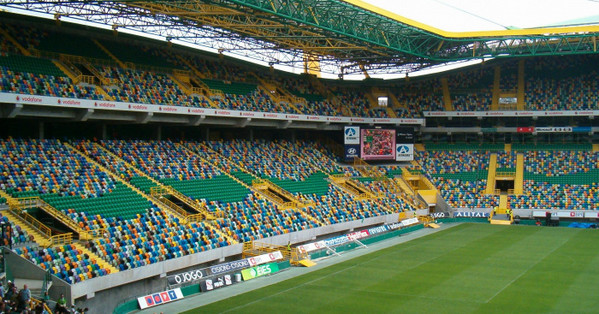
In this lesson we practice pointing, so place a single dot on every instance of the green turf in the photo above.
(471, 268)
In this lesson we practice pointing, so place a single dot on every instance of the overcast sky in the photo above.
(478, 15)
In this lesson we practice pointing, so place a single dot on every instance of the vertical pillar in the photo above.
(251, 135)
(104, 132)
(41, 130)
(159, 133)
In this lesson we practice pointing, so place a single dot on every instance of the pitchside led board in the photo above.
(379, 143)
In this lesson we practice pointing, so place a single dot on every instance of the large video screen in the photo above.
(377, 144)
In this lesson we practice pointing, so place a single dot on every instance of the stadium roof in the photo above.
(342, 37)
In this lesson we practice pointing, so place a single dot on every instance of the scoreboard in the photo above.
(378, 143)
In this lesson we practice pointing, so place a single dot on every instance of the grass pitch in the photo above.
(470, 268)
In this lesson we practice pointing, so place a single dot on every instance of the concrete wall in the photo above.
(103, 294)
(18, 267)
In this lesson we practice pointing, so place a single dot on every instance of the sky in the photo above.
(484, 15)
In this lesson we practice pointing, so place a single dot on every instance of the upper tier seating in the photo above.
(259, 157)
(560, 163)
(162, 159)
(147, 87)
(557, 83)
(48, 167)
(29, 75)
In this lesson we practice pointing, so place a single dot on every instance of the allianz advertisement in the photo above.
(351, 135)
(404, 152)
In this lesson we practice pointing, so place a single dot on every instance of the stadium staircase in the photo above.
(419, 147)
(8, 37)
(110, 54)
(75, 77)
(352, 187)
(420, 183)
(191, 67)
(395, 185)
(491, 175)
(391, 112)
(519, 180)
(507, 148)
(372, 100)
(41, 233)
(520, 91)
(496, 91)
(92, 256)
(282, 98)
(446, 95)
(63, 218)
(503, 201)
(595, 148)
(499, 216)
(70, 61)
(283, 198)
(280, 95)
(184, 80)
(320, 87)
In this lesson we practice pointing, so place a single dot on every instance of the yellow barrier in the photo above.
(61, 239)
(32, 221)
(505, 174)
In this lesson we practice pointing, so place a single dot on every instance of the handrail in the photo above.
(36, 224)
(173, 206)
(61, 239)
(61, 216)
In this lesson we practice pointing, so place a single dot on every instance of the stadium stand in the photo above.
(554, 83)
(460, 176)
(66, 262)
(218, 175)
(30, 75)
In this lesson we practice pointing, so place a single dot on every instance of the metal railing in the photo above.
(61, 239)
(30, 220)
(505, 174)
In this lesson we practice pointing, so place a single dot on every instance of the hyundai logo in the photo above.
(352, 151)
